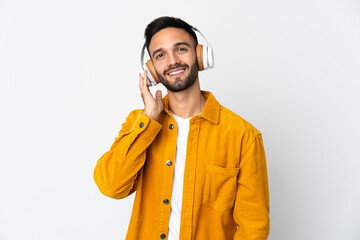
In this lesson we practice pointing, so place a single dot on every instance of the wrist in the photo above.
(151, 115)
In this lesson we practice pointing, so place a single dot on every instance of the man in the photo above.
(198, 169)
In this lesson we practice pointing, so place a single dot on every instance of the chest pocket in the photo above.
(220, 187)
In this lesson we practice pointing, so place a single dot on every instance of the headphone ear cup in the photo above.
(199, 57)
(205, 57)
(152, 76)
(210, 56)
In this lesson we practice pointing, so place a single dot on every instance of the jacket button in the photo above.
(171, 126)
(168, 162)
(141, 124)
(162, 236)
(166, 201)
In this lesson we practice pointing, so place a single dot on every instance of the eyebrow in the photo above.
(175, 45)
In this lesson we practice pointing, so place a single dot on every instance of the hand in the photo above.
(153, 106)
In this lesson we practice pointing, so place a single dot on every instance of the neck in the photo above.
(187, 103)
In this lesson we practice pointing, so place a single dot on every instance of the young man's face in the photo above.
(173, 54)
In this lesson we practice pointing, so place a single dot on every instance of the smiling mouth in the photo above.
(176, 72)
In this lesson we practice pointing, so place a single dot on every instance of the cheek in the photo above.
(191, 59)
(159, 67)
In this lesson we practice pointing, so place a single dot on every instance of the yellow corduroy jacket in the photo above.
(225, 194)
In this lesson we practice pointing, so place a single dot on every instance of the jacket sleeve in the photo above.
(116, 171)
(251, 209)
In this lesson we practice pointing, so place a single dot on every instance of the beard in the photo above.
(180, 85)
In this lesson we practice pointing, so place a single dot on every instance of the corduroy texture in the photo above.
(225, 193)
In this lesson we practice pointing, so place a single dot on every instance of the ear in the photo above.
(152, 73)
(200, 57)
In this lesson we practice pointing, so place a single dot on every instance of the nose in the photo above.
(173, 59)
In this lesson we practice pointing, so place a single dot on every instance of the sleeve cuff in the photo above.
(145, 125)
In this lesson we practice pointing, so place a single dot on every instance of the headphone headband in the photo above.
(197, 30)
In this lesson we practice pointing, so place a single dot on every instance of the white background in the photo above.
(69, 77)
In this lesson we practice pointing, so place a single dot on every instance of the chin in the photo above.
(180, 84)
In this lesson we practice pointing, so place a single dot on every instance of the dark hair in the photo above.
(164, 22)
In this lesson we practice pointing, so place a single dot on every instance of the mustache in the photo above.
(175, 66)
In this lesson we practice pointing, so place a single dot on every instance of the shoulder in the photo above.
(237, 123)
(228, 120)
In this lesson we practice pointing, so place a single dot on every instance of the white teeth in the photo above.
(177, 72)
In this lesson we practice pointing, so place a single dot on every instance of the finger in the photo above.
(140, 81)
(158, 95)
(145, 78)
(144, 88)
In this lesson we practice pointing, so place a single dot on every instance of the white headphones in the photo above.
(204, 55)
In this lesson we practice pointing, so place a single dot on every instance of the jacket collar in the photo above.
(211, 110)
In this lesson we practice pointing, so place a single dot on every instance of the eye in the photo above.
(160, 55)
(182, 49)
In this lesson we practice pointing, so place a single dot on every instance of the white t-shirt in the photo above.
(178, 180)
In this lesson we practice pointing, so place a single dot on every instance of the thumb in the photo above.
(158, 95)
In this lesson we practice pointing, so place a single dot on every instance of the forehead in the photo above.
(167, 37)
